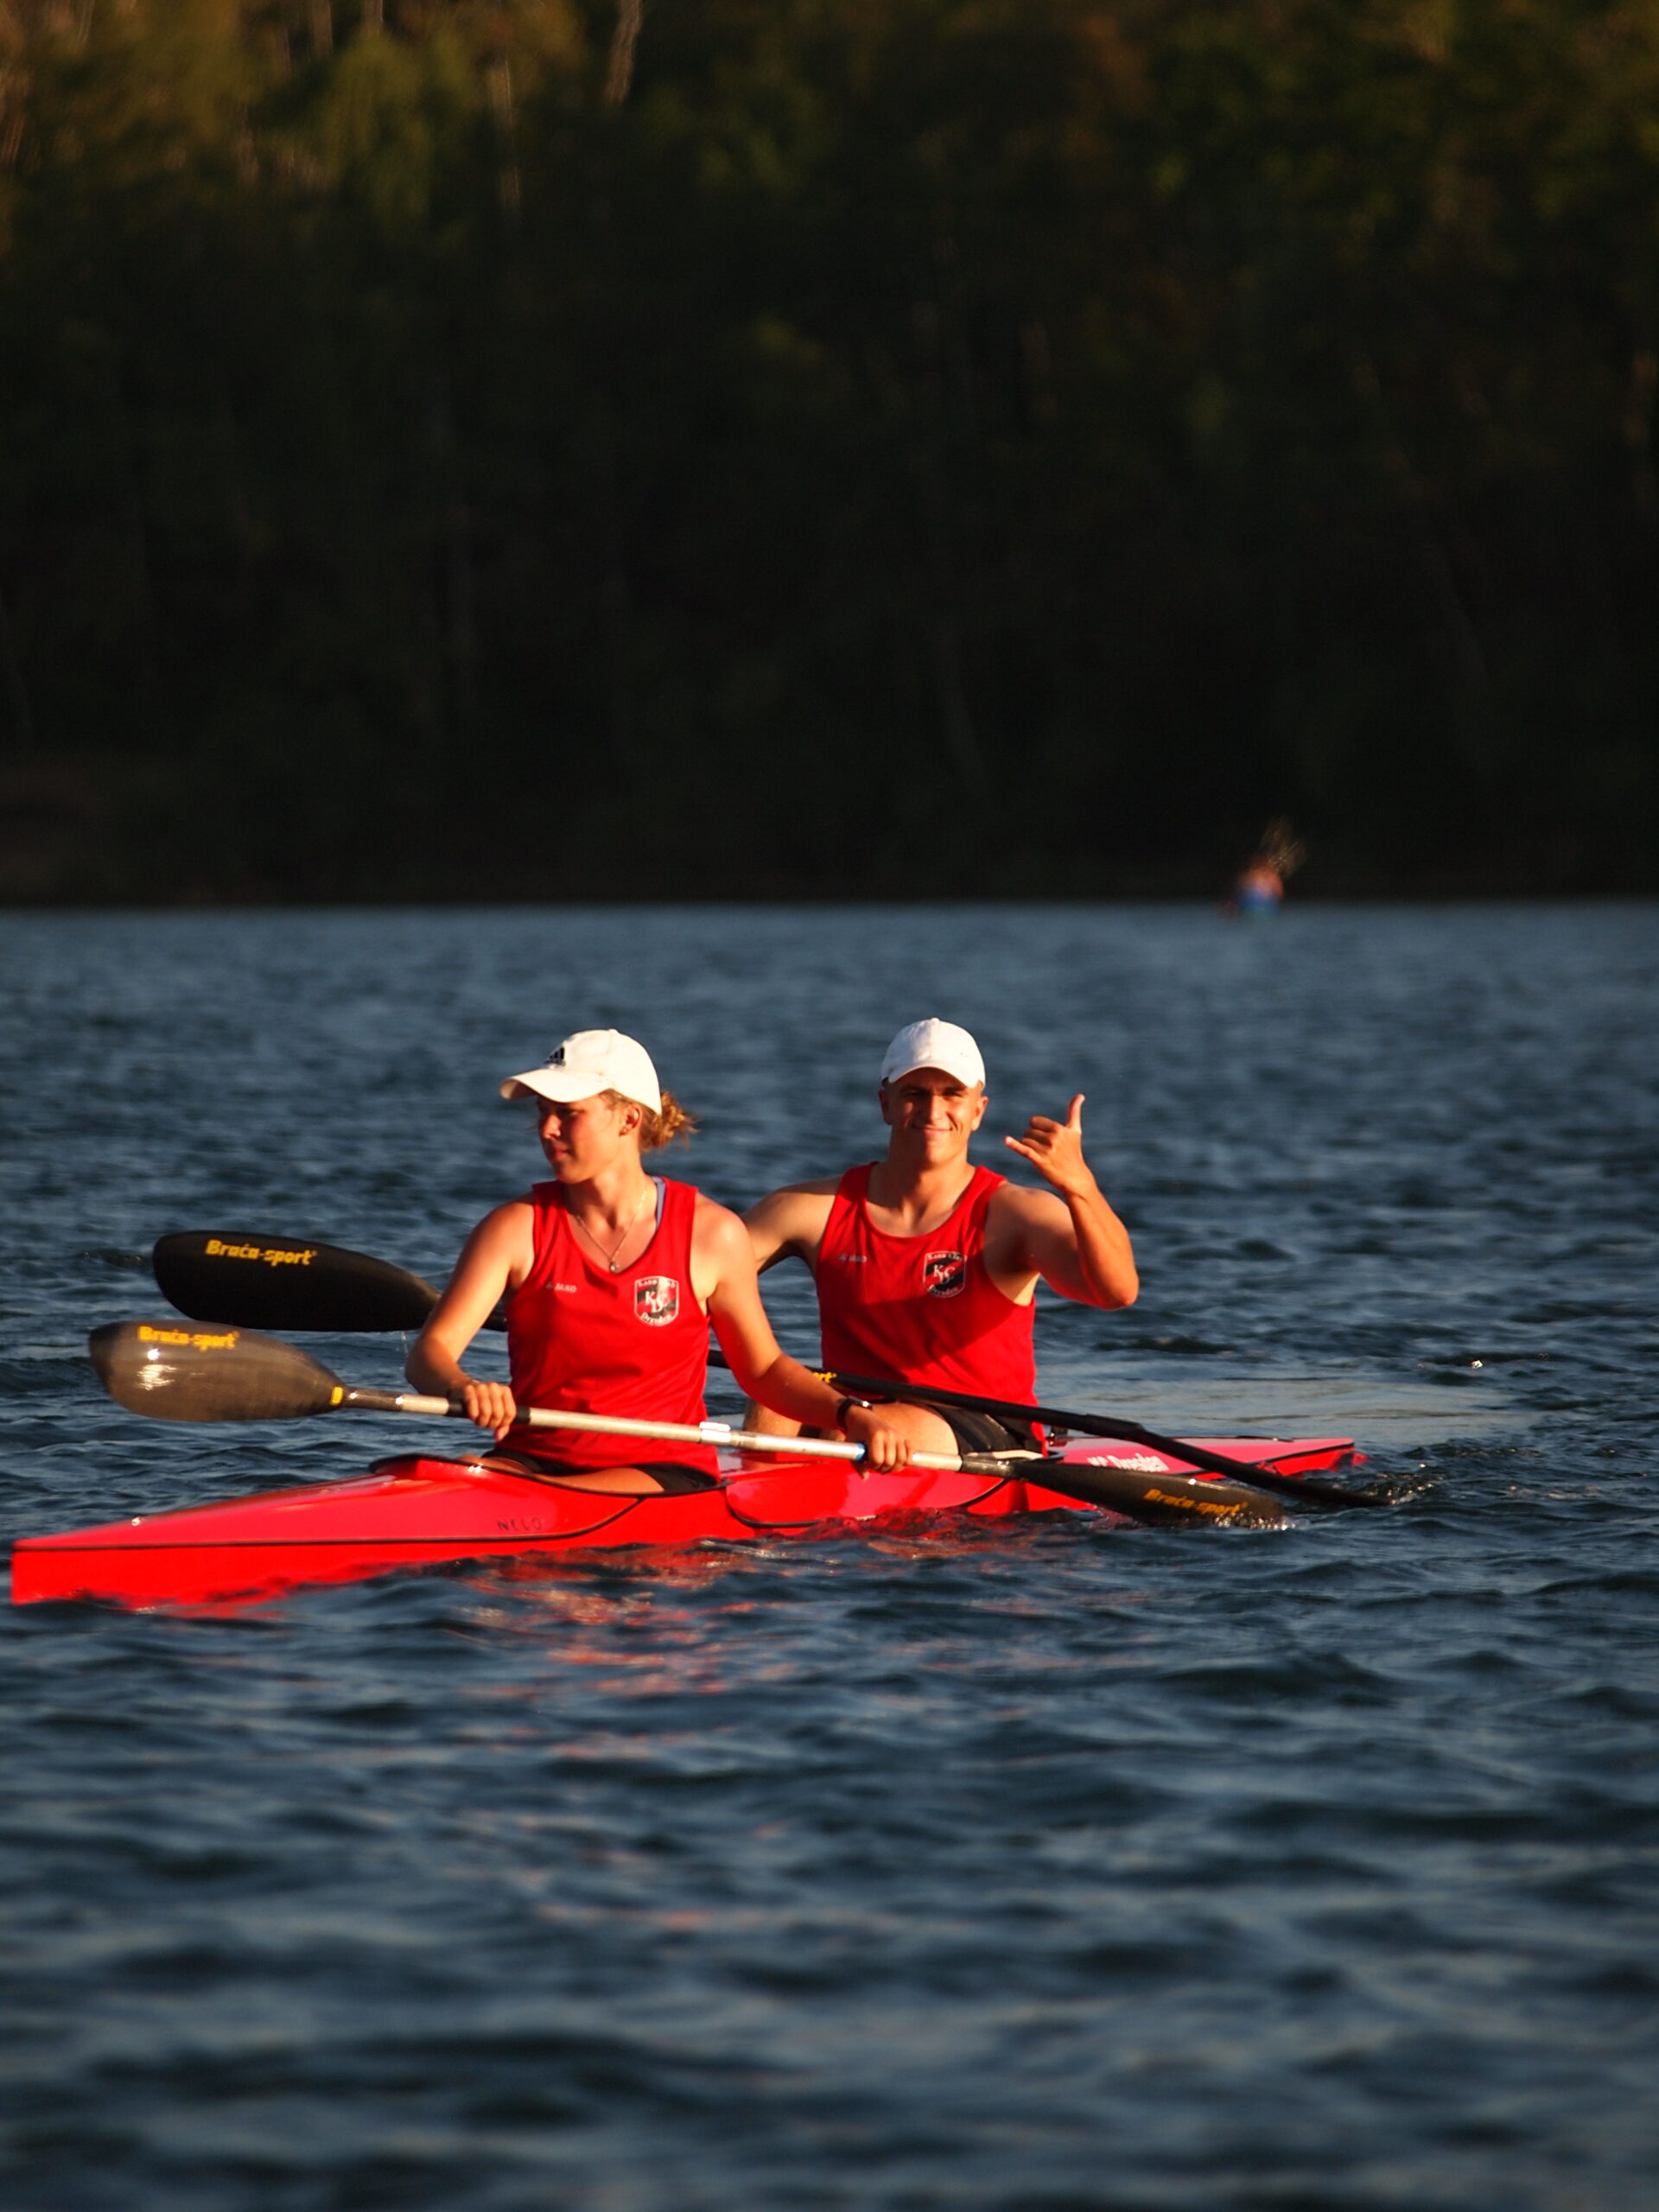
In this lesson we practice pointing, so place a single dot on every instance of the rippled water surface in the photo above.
(1037, 1865)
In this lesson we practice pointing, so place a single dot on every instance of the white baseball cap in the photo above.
(934, 1045)
(587, 1062)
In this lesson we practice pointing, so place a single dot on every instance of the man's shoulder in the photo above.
(1017, 1203)
(1010, 1194)
(802, 1197)
(792, 1220)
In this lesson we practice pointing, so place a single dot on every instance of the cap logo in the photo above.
(656, 1301)
(944, 1273)
(555, 1058)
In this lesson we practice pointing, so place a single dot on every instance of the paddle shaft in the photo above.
(668, 1431)
(1166, 1500)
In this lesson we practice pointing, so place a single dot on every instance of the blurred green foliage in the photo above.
(547, 446)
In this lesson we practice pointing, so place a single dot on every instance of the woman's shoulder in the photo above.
(707, 1209)
(501, 1242)
(511, 1217)
(713, 1225)
(536, 1199)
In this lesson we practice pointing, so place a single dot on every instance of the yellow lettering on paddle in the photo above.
(216, 1249)
(198, 1340)
(1192, 1504)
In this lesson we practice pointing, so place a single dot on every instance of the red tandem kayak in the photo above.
(418, 1511)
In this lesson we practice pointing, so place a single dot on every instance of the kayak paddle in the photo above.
(281, 1282)
(266, 1283)
(176, 1374)
(1304, 1487)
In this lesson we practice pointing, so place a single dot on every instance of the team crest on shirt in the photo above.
(944, 1273)
(656, 1301)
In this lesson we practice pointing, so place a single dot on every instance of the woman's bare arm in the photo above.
(494, 1259)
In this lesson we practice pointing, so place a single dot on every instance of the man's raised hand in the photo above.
(1055, 1149)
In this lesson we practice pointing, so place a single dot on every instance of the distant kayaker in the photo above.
(1259, 886)
(926, 1266)
(1259, 890)
(610, 1278)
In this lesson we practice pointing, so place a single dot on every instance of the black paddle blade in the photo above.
(173, 1373)
(277, 1282)
(1167, 1500)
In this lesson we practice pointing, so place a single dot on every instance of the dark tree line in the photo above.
(559, 447)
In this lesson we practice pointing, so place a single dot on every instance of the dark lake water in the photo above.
(1040, 1865)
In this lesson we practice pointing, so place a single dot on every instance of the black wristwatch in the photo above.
(841, 1405)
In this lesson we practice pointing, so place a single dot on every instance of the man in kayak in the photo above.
(926, 1266)
(610, 1278)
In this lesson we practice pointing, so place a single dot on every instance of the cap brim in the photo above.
(563, 1085)
(960, 1074)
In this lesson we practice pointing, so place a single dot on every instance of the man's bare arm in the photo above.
(789, 1224)
(1079, 1246)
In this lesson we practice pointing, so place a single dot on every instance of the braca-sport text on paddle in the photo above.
(286, 1282)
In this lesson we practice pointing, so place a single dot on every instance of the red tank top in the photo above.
(921, 1309)
(635, 1345)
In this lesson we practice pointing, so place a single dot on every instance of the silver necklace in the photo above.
(610, 1258)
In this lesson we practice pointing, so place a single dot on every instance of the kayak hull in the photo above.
(415, 1511)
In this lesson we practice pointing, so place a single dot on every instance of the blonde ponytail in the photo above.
(656, 1130)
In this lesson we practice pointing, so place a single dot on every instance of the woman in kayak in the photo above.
(610, 1278)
